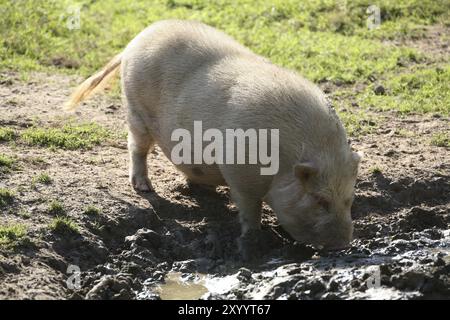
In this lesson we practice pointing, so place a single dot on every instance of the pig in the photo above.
(176, 72)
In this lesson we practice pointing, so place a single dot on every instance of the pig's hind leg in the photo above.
(140, 142)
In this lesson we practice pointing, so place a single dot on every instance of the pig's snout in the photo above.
(336, 236)
(333, 247)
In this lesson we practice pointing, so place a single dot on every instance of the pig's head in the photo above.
(314, 205)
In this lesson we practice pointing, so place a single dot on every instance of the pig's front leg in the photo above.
(250, 219)
(247, 190)
(249, 210)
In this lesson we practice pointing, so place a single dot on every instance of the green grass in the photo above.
(375, 170)
(6, 163)
(64, 225)
(325, 56)
(56, 208)
(441, 139)
(92, 210)
(42, 178)
(290, 32)
(6, 197)
(23, 213)
(12, 235)
(405, 133)
(417, 91)
(358, 122)
(70, 136)
(7, 134)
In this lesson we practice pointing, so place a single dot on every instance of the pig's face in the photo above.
(315, 206)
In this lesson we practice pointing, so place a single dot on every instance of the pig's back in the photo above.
(164, 55)
(177, 72)
(162, 60)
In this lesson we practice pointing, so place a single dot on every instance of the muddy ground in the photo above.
(140, 245)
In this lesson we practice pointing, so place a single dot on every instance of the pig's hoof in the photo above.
(254, 244)
(249, 245)
(141, 184)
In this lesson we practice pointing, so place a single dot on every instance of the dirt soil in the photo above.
(401, 216)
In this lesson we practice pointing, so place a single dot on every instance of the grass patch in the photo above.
(92, 210)
(43, 178)
(441, 139)
(24, 214)
(7, 134)
(300, 34)
(357, 122)
(421, 91)
(70, 136)
(375, 170)
(404, 133)
(64, 225)
(6, 197)
(12, 235)
(56, 208)
(6, 163)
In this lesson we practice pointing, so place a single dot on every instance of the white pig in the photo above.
(177, 72)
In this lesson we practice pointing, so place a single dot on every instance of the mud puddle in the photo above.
(358, 273)
(177, 287)
(395, 258)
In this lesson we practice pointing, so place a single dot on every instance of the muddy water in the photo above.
(177, 287)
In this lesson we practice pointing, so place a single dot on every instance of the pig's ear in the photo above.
(305, 171)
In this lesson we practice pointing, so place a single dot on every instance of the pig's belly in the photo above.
(197, 173)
